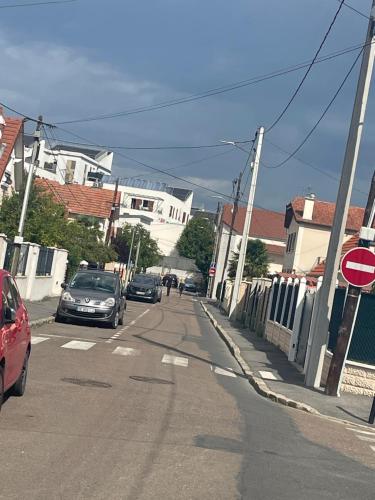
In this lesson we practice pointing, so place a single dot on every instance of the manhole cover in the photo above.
(86, 382)
(151, 380)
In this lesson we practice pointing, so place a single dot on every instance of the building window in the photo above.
(134, 203)
(70, 169)
(291, 243)
(183, 218)
(145, 204)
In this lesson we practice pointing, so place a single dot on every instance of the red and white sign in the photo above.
(212, 271)
(358, 267)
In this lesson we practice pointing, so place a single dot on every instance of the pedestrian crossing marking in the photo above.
(38, 340)
(369, 433)
(367, 438)
(175, 360)
(126, 351)
(228, 372)
(77, 344)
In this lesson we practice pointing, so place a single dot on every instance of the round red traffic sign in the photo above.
(358, 267)
(212, 271)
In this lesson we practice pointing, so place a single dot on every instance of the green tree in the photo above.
(149, 253)
(46, 224)
(197, 242)
(256, 262)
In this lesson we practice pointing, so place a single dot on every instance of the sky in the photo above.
(90, 57)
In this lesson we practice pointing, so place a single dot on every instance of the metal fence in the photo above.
(22, 258)
(45, 260)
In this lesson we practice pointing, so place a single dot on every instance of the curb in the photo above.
(42, 321)
(258, 383)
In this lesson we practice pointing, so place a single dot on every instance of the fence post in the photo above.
(297, 318)
(313, 320)
(281, 281)
(270, 300)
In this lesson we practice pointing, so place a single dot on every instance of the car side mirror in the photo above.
(9, 315)
(63, 286)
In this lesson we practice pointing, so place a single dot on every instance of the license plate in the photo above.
(86, 309)
(140, 293)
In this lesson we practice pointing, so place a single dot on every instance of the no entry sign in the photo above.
(212, 271)
(358, 267)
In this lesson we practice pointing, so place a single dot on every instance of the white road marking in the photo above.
(37, 340)
(126, 351)
(76, 344)
(366, 438)
(360, 267)
(267, 375)
(228, 372)
(369, 433)
(175, 360)
(373, 448)
(116, 335)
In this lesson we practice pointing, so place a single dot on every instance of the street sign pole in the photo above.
(358, 268)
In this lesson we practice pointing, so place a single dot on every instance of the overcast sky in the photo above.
(93, 57)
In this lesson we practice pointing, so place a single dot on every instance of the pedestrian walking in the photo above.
(169, 285)
(181, 287)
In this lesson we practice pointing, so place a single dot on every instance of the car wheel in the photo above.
(1, 386)
(114, 323)
(121, 318)
(19, 387)
(59, 318)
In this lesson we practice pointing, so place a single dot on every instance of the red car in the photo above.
(15, 338)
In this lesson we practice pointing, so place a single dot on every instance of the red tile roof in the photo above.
(265, 224)
(275, 249)
(12, 129)
(81, 200)
(323, 214)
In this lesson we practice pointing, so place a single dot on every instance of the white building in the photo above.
(11, 154)
(69, 164)
(163, 210)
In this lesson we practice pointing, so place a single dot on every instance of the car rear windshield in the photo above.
(94, 281)
(144, 280)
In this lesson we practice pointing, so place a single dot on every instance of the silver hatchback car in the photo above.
(93, 296)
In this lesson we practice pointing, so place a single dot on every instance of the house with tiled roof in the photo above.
(266, 225)
(308, 223)
(11, 154)
(82, 201)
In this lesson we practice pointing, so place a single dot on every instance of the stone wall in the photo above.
(278, 335)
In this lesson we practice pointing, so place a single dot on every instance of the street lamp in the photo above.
(234, 143)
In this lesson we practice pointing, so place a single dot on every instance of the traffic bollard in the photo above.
(372, 413)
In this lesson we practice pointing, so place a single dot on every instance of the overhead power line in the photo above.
(212, 92)
(309, 68)
(34, 4)
(291, 155)
(348, 6)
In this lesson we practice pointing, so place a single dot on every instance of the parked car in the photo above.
(172, 277)
(190, 286)
(145, 286)
(15, 338)
(93, 296)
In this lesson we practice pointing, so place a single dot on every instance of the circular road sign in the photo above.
(212, 271)
(358, 267)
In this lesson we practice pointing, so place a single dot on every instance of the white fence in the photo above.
(40, 271)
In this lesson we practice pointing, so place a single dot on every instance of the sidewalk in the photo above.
(285, 379)
(42, 311)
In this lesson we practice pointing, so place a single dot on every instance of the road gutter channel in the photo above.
(260, 385)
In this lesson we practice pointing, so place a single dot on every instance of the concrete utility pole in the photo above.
(234, 213)
(352, 301)
(130, 257)
(246, 229)
(18, 239)
(113, 214)
(319, 331)
(137, 253)
(215, 250)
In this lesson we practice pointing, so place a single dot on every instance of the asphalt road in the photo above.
(160, 410)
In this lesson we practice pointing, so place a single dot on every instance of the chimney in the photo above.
(308, 208)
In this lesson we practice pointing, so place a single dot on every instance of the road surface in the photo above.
(159, 409)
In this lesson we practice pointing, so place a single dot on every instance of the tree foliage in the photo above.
(149, 253)
(197, 242)
(46, 224)
(256, 262)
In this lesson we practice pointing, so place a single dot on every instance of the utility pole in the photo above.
(137, 253)
(319, 332)
(352, 301)
(215, 250)
(234, 213)
(18, 239)
(113, 214)
(130, 257)
(246, 229)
